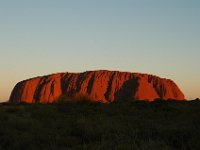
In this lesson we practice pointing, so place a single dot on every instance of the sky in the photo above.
(160, 37)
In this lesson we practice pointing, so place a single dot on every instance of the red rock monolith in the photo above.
(103, 86)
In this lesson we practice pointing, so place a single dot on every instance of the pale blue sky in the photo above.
(161, 37)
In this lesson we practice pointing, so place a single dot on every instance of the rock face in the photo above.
(103, 86)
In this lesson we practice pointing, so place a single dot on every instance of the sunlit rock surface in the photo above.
(104, 86)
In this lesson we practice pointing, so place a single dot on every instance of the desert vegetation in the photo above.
(135, 125)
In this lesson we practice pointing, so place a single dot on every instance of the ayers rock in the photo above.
(104, 86)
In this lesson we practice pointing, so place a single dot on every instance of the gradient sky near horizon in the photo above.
(161, 37)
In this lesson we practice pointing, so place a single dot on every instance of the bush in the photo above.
(136, 125)
(159, 100)
(82, 97)
(64, 99)
(79, 97)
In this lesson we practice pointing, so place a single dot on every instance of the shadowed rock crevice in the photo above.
(17, 92)
(90, 84)
(128, 90)
(103, 86)
(64, 82)
(79, 81)
(109, 89)
(41, 85)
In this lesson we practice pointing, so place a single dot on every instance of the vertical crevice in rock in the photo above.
(90, 84)
(109, 88)
(65, 82)
(128, 90)
(40, 86)
(79, 81)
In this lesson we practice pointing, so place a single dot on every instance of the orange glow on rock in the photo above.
(102, 86)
